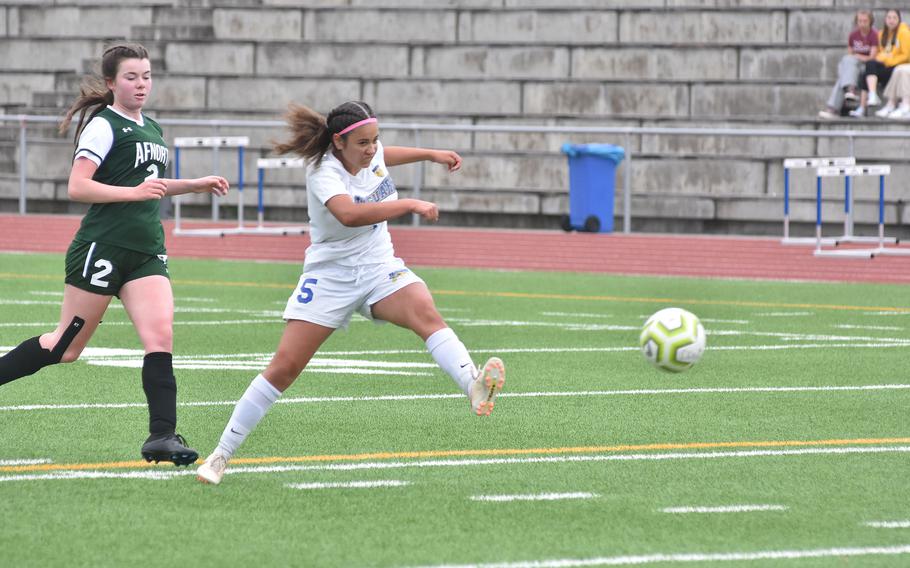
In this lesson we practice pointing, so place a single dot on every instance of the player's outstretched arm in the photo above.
(216, 185)
(84, 189)
(352, 214)
(397, 155)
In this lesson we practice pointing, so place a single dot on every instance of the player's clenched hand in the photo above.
(447, 158)
(150, 189)
(427, 210)
(213, 184)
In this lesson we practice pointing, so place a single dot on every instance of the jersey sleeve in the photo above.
(325, 183)
(95, 141)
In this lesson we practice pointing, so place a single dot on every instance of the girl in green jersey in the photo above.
(119, 248)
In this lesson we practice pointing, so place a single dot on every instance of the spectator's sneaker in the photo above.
(486, 385)
(884, 111)
(213, 469)
(850, 95)
(901, 113)
(168, 447)
(827, 115)
(858, 112)
(874, 99)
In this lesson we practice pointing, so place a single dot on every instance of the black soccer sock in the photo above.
(160, 388)
(26, 359)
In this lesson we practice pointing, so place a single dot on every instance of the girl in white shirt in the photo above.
(351, 266)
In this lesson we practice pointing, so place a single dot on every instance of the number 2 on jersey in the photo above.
(306, 294)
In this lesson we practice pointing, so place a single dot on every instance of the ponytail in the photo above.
(311, 133)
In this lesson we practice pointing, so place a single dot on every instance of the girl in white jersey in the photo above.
(351, 266)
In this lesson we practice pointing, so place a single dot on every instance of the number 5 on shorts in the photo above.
(306, 294)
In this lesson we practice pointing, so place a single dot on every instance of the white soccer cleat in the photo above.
(486, 385)
(213, 469)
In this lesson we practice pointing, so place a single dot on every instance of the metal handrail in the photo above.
(626, 131)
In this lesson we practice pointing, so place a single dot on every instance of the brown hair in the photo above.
(311, 133)
(887, 36)
(867, 13)
(94, 91)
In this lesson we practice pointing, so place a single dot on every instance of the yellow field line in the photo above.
(478, 452)
(534, 296)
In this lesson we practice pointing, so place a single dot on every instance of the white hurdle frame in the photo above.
(880, 170)
(263, 164)
(215, 143)
(803, 163)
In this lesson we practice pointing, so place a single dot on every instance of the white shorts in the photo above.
(328, 294)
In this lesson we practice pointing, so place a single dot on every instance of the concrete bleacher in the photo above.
(667, 63)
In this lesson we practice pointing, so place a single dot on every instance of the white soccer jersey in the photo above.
(332, 241)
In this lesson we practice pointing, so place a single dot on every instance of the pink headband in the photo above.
(370, 120)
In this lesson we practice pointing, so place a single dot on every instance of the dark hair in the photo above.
(311, 133)
(867, 13)
(887, 36)
(94, 91)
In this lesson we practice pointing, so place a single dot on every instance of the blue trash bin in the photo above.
(592, 182)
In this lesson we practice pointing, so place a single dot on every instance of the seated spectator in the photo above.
(897, 89)
(893, 50)
(862, 45)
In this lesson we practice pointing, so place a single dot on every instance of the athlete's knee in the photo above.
(61, 345)
(159, 338)
(70, 355)
(283, 370)
(426, 319)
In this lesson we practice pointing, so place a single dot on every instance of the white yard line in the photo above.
(870, 327)
(446, 396)
(724, 509)
(350, 484)
(25, 462)
(888, 524)
(158, 474)
(668, 558)
(535, 497)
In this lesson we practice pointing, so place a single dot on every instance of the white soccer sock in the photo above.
(252, 406)
(451, 354)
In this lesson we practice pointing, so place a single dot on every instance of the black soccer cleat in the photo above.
(170, 448)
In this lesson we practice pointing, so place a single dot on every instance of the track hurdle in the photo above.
(215, 143)
(803, 163)
(263, 164)
(880, 170)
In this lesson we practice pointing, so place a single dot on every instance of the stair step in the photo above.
(52, 99)
(173, 33)
(183, 16)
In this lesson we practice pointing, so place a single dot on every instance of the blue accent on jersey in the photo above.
(385, 189)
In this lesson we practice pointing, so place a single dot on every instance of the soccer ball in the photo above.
(672, 339)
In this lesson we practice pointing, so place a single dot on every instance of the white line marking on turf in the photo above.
(783, 314)
(872, 327)
(888, 524)
(692, 557)
(170, 473)
(350, 484)
(25, 462)
(725, 509)
(576, 315)
(536, 497)
(411, 397)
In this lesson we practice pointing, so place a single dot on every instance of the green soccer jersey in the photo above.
(136, 154)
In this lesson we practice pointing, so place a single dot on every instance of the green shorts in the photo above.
(103, 269)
